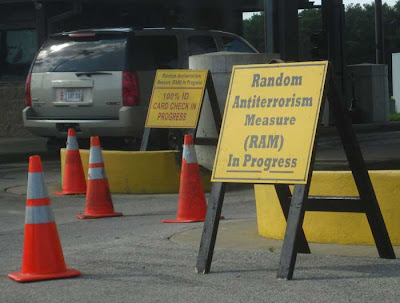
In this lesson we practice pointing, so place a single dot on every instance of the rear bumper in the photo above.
(130, 123)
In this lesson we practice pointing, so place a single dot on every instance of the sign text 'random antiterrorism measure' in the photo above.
(270, 119)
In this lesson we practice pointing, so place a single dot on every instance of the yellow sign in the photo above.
(176, 98)
(268, 130)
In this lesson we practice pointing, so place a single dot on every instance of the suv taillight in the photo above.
(130, 89)
(28, 90)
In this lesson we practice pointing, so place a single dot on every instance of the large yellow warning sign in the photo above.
(270, 119)
(176, 98)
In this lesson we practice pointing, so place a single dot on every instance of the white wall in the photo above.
(396, 79)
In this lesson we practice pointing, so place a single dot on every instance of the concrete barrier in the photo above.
(140, 172)
(220, 65)
(342, 228)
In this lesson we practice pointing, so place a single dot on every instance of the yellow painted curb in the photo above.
(342, 228)
(140, 172)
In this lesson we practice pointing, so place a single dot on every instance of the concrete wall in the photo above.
(12, 102)
(220, 64)
(368, 85)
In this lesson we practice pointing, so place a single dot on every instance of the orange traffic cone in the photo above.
(192, 205)
(74, 179)
(42, 257)
(98, 197)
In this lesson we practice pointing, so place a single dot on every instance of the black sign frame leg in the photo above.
(295, 218)
(210, 228)
(360, 174)
(284, 196)
(295, 241)
(302, 202)
(294, 225)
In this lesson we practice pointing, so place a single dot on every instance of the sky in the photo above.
(345, 2)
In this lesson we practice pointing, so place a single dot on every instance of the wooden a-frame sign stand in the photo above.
(294, 206)
(193, 131)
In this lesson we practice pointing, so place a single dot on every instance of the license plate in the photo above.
(70, 95)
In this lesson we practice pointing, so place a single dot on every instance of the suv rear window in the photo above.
(81, 55)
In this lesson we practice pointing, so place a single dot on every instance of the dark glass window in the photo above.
(81, 55)
(17, 50)
(155, 52)
(235, 45)
(201, 45)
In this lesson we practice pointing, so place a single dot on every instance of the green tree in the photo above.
(253, 31)
(309, 23)
(359, 32)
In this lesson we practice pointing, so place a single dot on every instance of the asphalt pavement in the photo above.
(379, 143)
(136, 258)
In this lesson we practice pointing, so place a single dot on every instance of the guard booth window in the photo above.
(201, 45)
(17, 50)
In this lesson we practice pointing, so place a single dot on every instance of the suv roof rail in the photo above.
(99, 30)
(185, 28)
(150, 28)
(130, 29)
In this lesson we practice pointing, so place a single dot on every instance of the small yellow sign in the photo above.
(176, 98)
(270, 119)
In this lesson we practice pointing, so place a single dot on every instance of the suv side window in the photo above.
(201, 44)
(155, 52)
(235, 45)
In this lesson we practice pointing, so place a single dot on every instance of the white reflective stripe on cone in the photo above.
(95, 155)
(96, 173)
(72, 143)
(36, 186)
(189, 154)
(38, 214)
